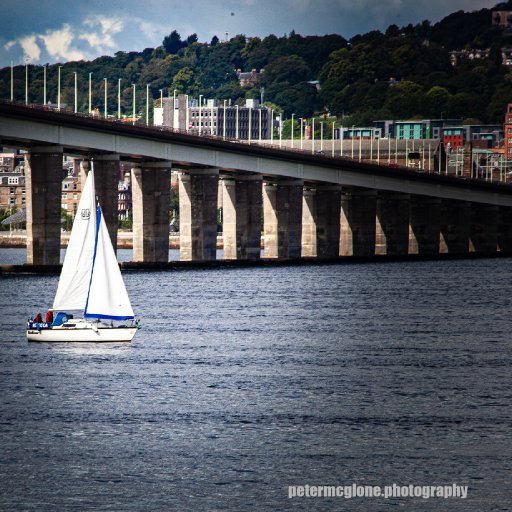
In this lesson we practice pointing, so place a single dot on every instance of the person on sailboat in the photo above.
(49, 316)
(38, 318)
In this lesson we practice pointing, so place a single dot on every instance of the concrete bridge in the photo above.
(311, 205)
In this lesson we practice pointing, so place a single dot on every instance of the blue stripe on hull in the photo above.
(108, 317)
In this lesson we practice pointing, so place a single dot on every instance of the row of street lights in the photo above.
(201, 96)
(105, 106)
(105, 86)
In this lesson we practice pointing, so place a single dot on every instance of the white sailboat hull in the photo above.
(82, 334)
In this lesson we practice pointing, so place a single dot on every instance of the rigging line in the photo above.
(98, 219)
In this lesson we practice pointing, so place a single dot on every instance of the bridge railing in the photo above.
(475, 173)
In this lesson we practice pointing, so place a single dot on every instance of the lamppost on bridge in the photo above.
(236, 123)
(147, 104)
(119, 98)
(90, 93)
(26, 82)
(211, 118)
(175, 122)
(133, 104)
(187, 113)
(105, 106)
(12, 80)
(76, 91)
(200, 122)
(271, 126)
(259, 126)
(161, 98)
(58, 87)
(312, 135)
(250, 125)
(224, 121)
(293, 115)
(44, 84)
(332, 146)
(281, 122)
(352, 143)
(301, 130)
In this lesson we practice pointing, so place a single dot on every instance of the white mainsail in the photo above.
(75, 276)
(107, 297)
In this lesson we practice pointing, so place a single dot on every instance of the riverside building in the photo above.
(251, 121)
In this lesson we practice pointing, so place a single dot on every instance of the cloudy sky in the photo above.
(49, 31)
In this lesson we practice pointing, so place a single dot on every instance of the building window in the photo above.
(75, 196)
(13, 180)
(64, 197)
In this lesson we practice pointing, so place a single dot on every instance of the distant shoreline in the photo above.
(18, 239)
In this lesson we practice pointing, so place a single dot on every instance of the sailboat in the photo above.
(90, 283)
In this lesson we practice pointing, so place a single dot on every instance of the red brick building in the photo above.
(508, 132)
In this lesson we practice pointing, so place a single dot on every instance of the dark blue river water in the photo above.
(245, 381)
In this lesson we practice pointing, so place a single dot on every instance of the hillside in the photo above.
(401, 73)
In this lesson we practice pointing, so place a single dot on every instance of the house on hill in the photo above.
(248, 79)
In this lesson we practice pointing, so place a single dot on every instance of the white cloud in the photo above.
(150, 29)
(29, 45)
(100, 32)
(58, 44)
(64, 43)
(31, 50)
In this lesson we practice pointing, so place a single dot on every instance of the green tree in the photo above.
(66, 221)
(436, 101)
(172, 43)
(126, 223)
(405, 99)
(184, 81)
(287, 70)
(192, 38)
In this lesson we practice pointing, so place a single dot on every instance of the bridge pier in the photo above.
(357, 222)
(106, 180)
(484, 228)
(320, 221)
(242, 202)
(424, 225)
(43, 176)
(455, 220)
(505, 229)
(282, 219)
(151, 195)
(198, 189)
(392, 223)
(308, 241)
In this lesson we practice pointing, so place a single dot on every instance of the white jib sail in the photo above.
(76, 270)
(108, 297)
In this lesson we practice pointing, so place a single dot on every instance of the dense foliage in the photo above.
(401, 73)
